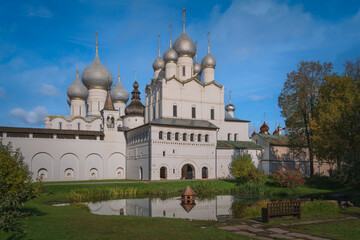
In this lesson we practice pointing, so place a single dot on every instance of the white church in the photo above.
(184, 131)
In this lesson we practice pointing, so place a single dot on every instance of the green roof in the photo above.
(237, 145)
(275, 139)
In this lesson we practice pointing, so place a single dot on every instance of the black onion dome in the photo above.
(135, 108)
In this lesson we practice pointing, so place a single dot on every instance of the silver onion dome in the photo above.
(171, 55)
(197, 68)
(208, 61)
(230, 107)
(77, 89)
(184, 46)
(158, 64)
(97, 75)
(119, 93)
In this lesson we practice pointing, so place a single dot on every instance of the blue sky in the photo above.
(255, 44)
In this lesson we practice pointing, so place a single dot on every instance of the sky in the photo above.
(255, 44)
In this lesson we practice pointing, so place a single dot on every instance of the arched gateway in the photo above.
(188, 172)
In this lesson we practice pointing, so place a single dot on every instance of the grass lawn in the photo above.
(344, 230)
(76, 222)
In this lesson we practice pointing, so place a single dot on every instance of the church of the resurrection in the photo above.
(184, 131)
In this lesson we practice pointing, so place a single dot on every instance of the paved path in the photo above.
(260, 231)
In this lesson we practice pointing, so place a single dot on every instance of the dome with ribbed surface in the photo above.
(230, 107)
(77, 89)
(208, 61)
(119, 93)
(135, 108)
(158, 64)
(97, 75)
(184, 46)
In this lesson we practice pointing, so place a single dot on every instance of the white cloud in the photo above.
(2, 92)
(33, 117)
(41, 12)
(256, 97)
(49, 90)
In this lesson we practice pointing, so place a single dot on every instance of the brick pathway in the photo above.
(260, 231)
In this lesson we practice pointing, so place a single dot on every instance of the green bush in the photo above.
(16, 187)
(287, 178)
(244, 170)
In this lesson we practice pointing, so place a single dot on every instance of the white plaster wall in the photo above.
(232, 127)
(133, 121)
(57, 155)
(120, 106)
(170, 70)
(77, 108)
(188, 63)
(209, 74)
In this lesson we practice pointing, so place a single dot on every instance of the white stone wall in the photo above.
(232, 128)
(96, 101)
(77, 108)
(73, 159)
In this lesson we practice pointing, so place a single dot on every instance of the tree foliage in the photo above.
(16, 187)
(297, 102)
(336, 125)
(243, 169)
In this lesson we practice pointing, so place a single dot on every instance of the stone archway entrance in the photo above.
(163, 173)
(188, 172)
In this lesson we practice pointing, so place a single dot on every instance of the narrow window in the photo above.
(177, 136)
(173, 150)
(163, 153)
(212, 114)
(199, 137)
(192, 137)
(235, 137)
(183, 71)
(98, 106)
(174, 111)
(206, 138)
(193, 112)
(174, 170)
(60, 125)
(80, 110)
(154, 112)
(169, 136)
(79, 126)
(184, 137)
(229, 136)
(160, 135)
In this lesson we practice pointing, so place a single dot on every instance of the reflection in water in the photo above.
(219, 207)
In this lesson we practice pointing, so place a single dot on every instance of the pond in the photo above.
(216, 208)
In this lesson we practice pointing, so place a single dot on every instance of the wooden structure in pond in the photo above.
(188, 199)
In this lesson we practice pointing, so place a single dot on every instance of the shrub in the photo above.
(288, 178)
(16, 187)
(243, 169)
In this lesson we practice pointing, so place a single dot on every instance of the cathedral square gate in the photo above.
(187, 172)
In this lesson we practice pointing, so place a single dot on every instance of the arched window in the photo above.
(177, 136)
(199, 138)
(184, 137)
(160, 135)
(229, 136)
(235, 137)
(206, 138)
(192, 137)
(78, 126)
(204, 172)
(169, 136)
(60, 125)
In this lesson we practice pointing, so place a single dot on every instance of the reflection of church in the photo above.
(218, 207)
(184, 131)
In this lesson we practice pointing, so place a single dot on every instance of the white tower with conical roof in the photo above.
(170, 58)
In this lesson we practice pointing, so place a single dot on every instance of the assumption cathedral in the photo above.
(184, 131)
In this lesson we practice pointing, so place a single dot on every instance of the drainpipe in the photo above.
(216, 154)
(150, 143)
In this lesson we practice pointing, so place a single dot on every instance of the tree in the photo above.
(16, 187)
(336, 125)
(352, 69)
(243, 169)
(297, 101)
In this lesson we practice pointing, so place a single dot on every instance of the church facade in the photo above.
(184, 130)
